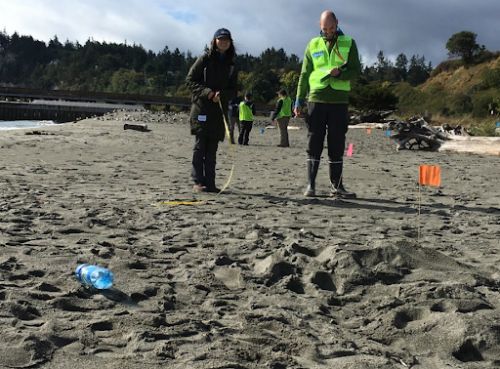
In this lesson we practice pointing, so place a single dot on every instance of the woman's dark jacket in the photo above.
(210, 72)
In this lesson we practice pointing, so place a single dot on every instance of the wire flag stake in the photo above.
(428, 175)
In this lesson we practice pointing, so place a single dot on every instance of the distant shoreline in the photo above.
(7, 125)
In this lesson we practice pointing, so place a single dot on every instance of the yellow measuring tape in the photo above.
(231, 150)
(181, 202)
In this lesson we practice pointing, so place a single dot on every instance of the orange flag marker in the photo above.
(368, 131)
(429, 175)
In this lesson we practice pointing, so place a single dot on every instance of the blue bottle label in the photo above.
(78, 271)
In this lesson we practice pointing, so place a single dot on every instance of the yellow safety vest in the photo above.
(245, 112)
(286, 108)
(324, 61)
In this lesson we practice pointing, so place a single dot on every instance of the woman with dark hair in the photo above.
(213, 82)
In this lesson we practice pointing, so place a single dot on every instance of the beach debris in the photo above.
(38, 133)
(136, 127)
(144, 117)
(370, 116)
(94, 276)
(418, 134)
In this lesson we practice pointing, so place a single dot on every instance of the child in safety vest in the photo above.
(247, 111)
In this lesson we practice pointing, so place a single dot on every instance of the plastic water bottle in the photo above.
(94, 276)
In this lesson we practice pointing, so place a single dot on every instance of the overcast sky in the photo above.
(411, 26)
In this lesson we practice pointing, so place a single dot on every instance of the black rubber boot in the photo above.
(312, 171)
(337, 188)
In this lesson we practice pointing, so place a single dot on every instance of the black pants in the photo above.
(331, 120)
(204, 161)
(246, 127)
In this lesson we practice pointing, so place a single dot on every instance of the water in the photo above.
(94, 276)
(20, 124)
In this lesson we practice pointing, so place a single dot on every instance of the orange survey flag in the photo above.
(429, 175)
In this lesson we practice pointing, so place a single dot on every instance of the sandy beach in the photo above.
(255, 277)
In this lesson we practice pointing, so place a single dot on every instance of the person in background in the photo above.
(247, 112)
(330, 63)
(282, 114)
(234, 116)
(213, 82)
(493, 108)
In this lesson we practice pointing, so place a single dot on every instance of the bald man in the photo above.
(331, 63)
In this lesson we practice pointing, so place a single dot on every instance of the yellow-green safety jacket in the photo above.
(245, 112)
(324, 61)
(286, 107)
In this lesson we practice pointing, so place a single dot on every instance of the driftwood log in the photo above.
(417, 134)
(370, 116)
(136, 127)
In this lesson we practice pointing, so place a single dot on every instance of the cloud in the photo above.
(406, 26)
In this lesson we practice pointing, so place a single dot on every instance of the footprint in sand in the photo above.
(23, 310)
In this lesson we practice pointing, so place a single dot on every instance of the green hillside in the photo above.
(464, 80)
(456, 93)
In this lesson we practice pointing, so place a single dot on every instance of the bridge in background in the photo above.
(18, 103)
(86, 96)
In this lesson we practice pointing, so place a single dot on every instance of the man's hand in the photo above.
(297, 111)
(216, 97)
(335, 72)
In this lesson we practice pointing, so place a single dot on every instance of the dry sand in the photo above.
(258, 277)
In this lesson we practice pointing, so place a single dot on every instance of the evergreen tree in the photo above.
(464, 45)
(401, 67)
(418, 71)
(382, 66)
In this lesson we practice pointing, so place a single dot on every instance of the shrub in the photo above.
(491, 78)
(410, 100)
(374, 96)
(460, 104)
(482, 100)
